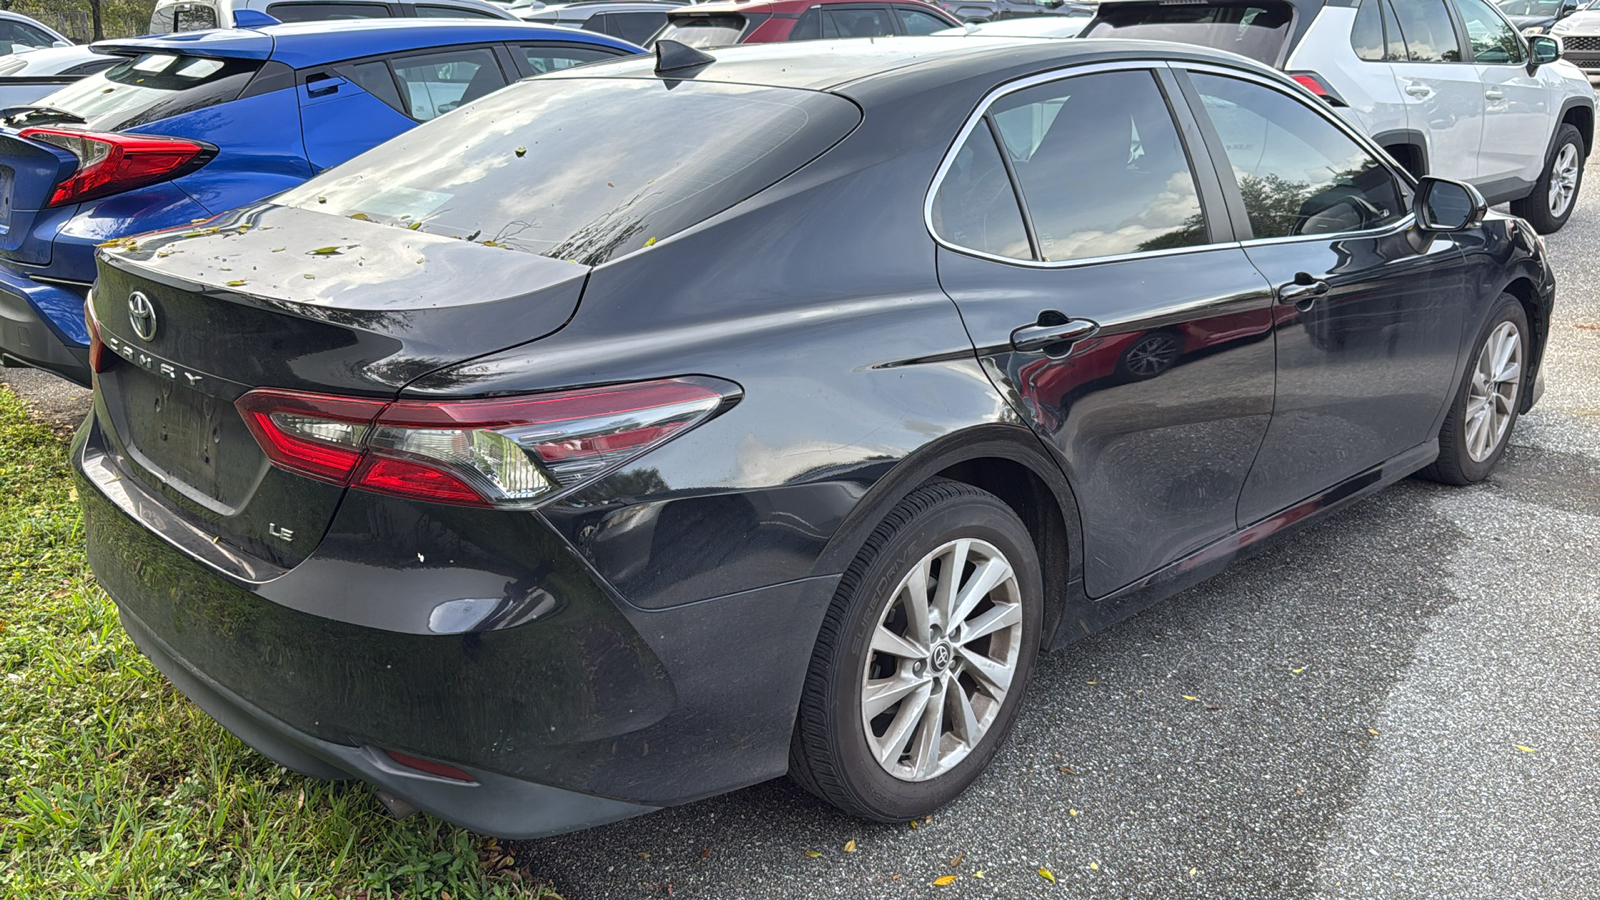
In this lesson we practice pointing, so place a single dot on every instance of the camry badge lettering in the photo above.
(283, 534)
(142, 315)
(144, 360)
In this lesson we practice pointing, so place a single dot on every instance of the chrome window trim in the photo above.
(976, 118)
(1404, 222)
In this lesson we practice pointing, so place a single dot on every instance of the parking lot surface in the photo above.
(1402, 701)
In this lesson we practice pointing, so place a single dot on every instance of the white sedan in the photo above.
(31, 74)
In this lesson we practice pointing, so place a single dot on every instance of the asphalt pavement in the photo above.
(1401, 701)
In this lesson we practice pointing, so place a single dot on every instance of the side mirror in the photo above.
(1442, 205)
(1542, 51)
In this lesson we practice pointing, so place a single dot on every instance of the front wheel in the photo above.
(923, 658)
(1478, 428)
(1555, 195)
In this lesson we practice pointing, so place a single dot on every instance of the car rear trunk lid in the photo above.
(290, 299)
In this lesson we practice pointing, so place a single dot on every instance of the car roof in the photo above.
(301, 44)
(828, 65)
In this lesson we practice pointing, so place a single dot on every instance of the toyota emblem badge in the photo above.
(142, 315)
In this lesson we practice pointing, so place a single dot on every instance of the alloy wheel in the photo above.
(943, 657)
(1563, 179)
(1493, 393)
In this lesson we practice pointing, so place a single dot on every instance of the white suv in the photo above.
(1448, 87)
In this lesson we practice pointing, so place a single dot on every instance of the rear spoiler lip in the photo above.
(224, 43)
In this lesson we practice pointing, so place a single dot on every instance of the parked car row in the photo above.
(649, 429)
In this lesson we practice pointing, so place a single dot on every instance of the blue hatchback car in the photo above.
(194, 124)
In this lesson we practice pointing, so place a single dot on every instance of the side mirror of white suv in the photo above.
(1542, 50)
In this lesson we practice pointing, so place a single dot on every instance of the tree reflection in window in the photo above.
(1298, 173)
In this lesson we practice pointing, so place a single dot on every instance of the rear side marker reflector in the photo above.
(436, 769)
(502, 452)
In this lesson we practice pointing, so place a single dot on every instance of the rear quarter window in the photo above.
(1257, 30)
(534, 168)
(151, 87)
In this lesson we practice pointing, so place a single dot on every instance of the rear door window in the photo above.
(1254, 29)
(375, 78)
(809, 26)
(154, 86)
(703, 31)
(1101, 167)
(856, 21)
(324, 12)
(917, 21)
(1430, 35)
(541, 59)
(432, 84)
(538, 171)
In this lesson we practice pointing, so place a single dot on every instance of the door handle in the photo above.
(1303, 291)
(1493, 94)
(1418, 89)
(322, 85)
(1052, 329)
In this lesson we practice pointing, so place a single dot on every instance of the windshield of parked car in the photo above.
(150, 87)
(583, 169)
(1257, 30)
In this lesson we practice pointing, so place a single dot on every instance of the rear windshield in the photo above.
(583, 169)
(151, 87)
(1256, 30)
(702, 31)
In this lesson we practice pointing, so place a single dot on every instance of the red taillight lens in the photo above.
(1314, 83)
(110, 163)
(505, 452)
(317, 436)
(99, 358)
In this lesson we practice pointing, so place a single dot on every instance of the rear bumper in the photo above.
(568, 705)
(41, 325)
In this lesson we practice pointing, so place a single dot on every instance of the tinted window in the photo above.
(916, 21)
(1366, 37)
(533, 168)
(1100, 166)
(322, 12)
(432, 84)
(452, 12)
(151, 87)
(1391, 33)
(703, 31)
(1256, 30)
(1530, 7)
(1493, 40)
(19, 35)
(976, 207)
(634, 27)
(847, 23)
(809, 28)
(375, 79)
(1299, 174)
(544, 58)
(89, 68)
(1429, 34)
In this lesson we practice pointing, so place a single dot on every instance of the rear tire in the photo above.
(1485, 410)
(1555, 195)
(899, 713)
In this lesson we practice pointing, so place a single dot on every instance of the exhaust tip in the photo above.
(399, 809)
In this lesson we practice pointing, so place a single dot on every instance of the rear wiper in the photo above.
(47, 112)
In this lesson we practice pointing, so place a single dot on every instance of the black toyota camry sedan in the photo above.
(652, 429)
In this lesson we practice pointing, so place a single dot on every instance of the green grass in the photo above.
(112, 784)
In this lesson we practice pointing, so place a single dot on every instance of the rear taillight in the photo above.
(111, 163)
(99, 358)
(506, 452)
(1314, 83)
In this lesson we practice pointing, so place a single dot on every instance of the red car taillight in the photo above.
(1316, 85)
(99, 359)
(505, 452)
(110, 163)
